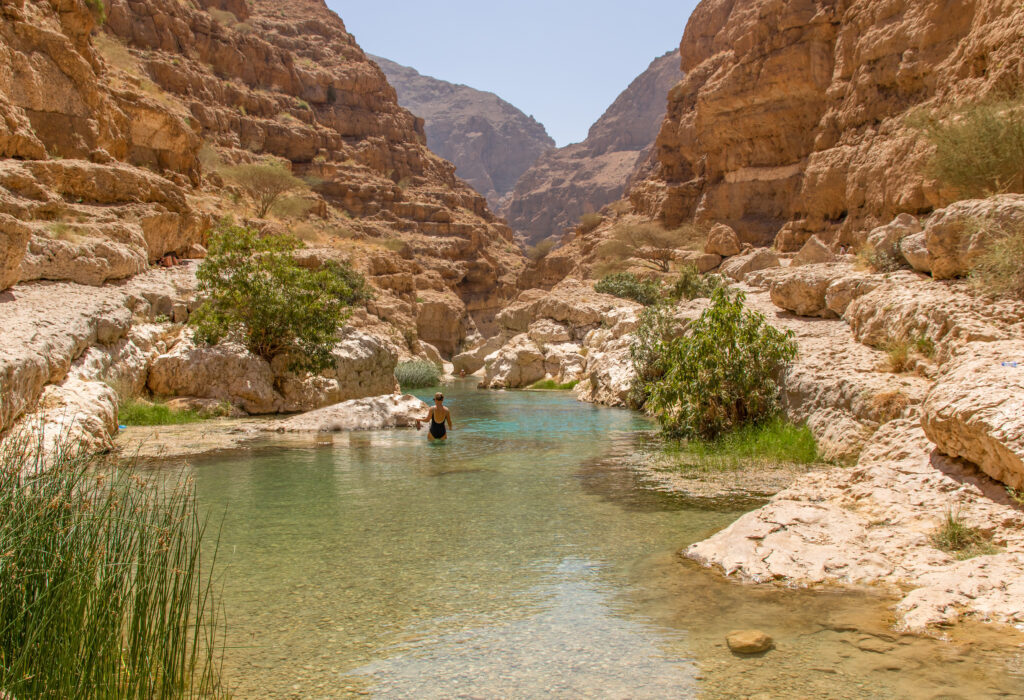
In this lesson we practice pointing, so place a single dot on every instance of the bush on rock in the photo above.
(254, 290)
(627, 285)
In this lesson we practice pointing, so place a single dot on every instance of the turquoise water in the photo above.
(520, 559)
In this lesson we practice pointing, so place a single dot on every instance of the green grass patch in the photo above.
(417, 374)
(955, 536)
(104, 590)
(139, 412)
(775, 441)
(552, 385)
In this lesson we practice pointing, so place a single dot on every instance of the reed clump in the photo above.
(104, 591)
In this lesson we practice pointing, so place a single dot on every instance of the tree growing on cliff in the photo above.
(720, 374)
(254, 290)
(266, 183)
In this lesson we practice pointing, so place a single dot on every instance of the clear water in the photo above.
(522, 559)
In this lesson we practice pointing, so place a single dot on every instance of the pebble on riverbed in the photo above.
(749, 642)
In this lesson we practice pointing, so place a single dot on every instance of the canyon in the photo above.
(788, 142)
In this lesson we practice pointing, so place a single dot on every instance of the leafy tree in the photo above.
(255, 291)
(648, 244)
(691, 284)
(266, 183)
(718, 375)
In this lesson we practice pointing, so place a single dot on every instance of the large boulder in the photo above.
(956, 235)
(914, 249)
(85, 254)
(885, 240)
(814, 251)
(723, 240)
(14, 236)
(472, 360)
(369, 413)
(976, 409)
(519, 363)
(802, 290)
(740, 266)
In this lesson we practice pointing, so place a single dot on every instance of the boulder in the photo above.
(740, 266)
(976, 409)
(545, 330)
(704, 262)
(914, 249)
(814, 251)
(841, 291)
(86, 255)
(369, 413)
(956, 235)
(519, 363)
(472, 360)
(885, 240)
(723, 240)
(749, 642)
(802, 290)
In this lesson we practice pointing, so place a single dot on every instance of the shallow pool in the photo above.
(524, 559)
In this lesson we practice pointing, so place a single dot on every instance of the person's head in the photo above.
(439, 398)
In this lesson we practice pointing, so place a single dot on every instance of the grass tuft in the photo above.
(417, 374)
(140, 412)
(955, 536)
(552, 385)
(773, 441)
(104, 591)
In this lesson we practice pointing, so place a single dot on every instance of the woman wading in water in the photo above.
(438, 416)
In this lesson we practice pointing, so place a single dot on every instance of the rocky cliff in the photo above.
(568, 182)
(116, 129)
(490, 142)
(791, 118)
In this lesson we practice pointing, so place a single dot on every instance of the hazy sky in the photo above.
(563, 61)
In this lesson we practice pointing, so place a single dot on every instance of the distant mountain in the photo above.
(490, 142)
(568, 182)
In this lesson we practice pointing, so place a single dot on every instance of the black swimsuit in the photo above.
(437, 430)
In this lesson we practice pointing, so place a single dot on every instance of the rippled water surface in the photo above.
(522, 559)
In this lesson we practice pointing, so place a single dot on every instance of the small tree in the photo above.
(718, 375)
(648, 244)
(264, 182)
(254, 290)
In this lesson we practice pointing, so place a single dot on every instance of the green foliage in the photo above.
(717, 376)
(254, 290)
(136, 412)
(626, 285)
(868, 258)
(98, 8)
(774, 441)
(416, 374)
(897, 355)
(264, 182)
(104, 592)
(589, 222)
(924, 345)
(692, 285)
(979, 149)
(552, 385)
(998, 269)
(955, 536)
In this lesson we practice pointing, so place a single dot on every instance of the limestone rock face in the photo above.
(790, 118)
(490, 142)
(722, 240)
(887, 240)
(518, 363)
(14, 236)
(976, 409)
(565, 183)
(956, 235)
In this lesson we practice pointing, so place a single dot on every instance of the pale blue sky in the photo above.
(563, 61)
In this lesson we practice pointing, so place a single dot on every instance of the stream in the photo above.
(525, 559)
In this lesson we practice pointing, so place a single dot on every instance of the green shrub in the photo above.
(774, 441)
(868, 258)
(552, 385)
(98, 8)
(691, 284)
(925, 345)
(540, 251)
(955, 536)
(717, 376)
(589, 222)
(104, 592)
(978, 148)
(626, 285)
(136, 412)
(416, 374)
(254, 290)
(999, 268)
(264, 182)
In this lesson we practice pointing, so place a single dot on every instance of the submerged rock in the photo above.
(749, 642)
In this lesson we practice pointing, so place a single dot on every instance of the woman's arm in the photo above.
(448, 419)
(430, 411)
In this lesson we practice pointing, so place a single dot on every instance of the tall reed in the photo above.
(104, 592)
